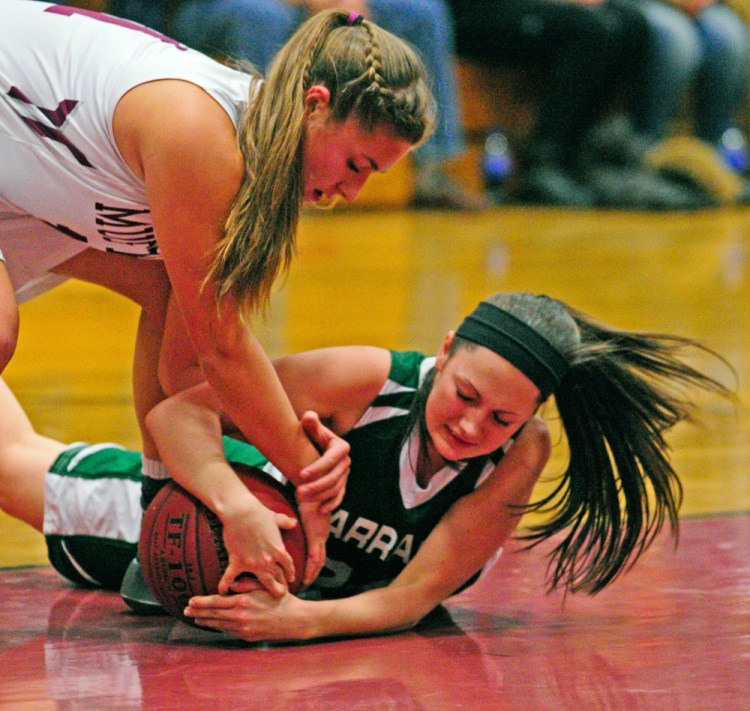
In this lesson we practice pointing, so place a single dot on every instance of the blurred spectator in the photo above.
(703, 45)
(583, 56)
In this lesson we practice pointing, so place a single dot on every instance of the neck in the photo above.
(429, 462)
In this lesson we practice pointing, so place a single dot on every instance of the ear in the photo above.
(444, 350)
(317, 96)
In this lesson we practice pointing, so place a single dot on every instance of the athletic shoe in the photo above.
(551, 185)
(136, 593)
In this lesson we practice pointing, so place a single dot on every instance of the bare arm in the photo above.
(8, 318)
(191, 184)
(188, 431)
(467, 536)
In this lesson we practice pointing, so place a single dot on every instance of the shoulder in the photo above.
(525, 456)
(339, 383)
(173, 120)
(532, 446)
(408, 367)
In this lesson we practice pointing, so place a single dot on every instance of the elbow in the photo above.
(157, 421)
(414, 603)
(211, 359)
(153, 419)
(411, 622)
(174, 379)
(219, 357)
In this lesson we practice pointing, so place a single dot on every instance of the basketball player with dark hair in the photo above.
(445, 452)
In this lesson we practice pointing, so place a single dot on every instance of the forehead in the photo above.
(496, 379)
(378, 145)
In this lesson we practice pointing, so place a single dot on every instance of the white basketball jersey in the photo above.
(62, 72)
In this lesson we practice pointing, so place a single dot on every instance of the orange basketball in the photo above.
(181, 548)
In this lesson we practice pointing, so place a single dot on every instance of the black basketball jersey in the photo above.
(385, 515)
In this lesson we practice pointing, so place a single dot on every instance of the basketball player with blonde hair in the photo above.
(133, 162)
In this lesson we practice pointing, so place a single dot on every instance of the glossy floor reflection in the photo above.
(673, 634)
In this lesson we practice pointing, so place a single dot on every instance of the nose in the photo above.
(471, 424)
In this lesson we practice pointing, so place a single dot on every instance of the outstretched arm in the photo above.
(191, 186)
(467, 536)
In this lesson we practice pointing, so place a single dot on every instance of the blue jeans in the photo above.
(710, 53)
(256, 29)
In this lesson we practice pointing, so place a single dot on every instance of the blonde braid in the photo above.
(371, 75)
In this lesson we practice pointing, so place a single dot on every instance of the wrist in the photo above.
(312, 619)
(232, 499)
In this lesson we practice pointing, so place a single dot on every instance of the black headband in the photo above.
(501, 332)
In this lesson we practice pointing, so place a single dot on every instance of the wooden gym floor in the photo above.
(673, 634)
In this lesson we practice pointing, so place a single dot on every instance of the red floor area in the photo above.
(674, 634)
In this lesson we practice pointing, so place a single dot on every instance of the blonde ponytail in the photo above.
(371, 75)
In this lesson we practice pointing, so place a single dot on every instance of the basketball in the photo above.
(181, 548)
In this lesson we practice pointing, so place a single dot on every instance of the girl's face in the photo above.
(477, 402)
(338, 157)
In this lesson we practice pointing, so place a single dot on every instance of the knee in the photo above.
(8, 342)
(8, 334)
(9, 322)
(600, 31)
(676, 39)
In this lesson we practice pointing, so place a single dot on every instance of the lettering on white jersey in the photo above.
(121, 226)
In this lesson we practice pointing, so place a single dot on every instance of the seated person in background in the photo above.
(703, 46)
(585, 56)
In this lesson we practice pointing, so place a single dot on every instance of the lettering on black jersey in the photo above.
(375, 538)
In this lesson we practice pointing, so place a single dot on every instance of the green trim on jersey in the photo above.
(376, 530)
(243, 453)
(108, 461)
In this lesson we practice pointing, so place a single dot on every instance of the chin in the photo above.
(327, 203)
(448, 452)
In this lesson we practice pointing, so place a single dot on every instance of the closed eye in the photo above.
(352, 166)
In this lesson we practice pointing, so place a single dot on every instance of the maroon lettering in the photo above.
(56, 119)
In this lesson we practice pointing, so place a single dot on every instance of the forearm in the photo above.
(378, 611)
(189, 437)
(259, 617)
(251, 395)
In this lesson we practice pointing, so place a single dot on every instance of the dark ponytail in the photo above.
(622, 392)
